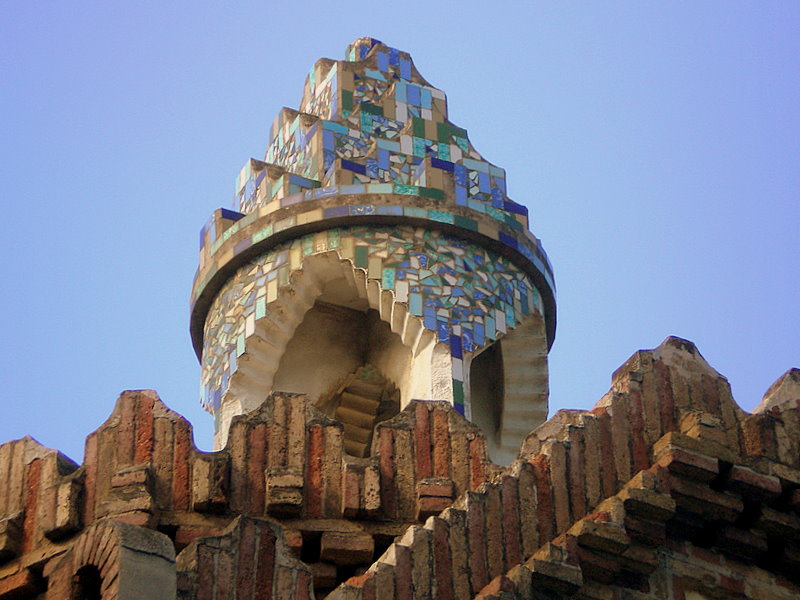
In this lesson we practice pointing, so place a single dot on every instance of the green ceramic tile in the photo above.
(458, 391)
(347, 100)
(429, 192)
(361, 256)
(467, 223)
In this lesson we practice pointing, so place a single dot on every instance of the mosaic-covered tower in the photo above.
(373, 257)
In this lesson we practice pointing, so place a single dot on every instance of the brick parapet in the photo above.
(713, 470)
(284, 460)
(586, 508)
(691, 522)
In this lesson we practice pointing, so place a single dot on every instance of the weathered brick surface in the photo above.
(665, 488)
(249, 559)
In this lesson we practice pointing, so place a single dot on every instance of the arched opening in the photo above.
(507, 388)
(356, 361)
(486, 391)
(87, 583)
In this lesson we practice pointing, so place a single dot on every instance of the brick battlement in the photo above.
(665, 487)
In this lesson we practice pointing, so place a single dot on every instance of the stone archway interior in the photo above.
(486, 391)
(349, 363)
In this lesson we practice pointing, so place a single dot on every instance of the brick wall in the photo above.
(666, 487)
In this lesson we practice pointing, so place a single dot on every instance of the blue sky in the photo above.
(656, 145)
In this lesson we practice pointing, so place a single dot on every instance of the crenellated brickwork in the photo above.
(285, 460)
(664, 450)
(664, 490)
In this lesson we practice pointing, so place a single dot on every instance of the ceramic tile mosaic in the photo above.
(374, 119)
(211, 242)
(465, 293)
(371, 145)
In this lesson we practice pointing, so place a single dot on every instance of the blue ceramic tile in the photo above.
(455, 346)
(443, 331)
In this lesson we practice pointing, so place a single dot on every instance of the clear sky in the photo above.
(656, 144)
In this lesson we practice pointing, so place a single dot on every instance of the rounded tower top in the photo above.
(371, 169)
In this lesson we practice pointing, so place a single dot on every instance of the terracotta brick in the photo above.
(476, 535)
(384, 582)
(132, 476)
(550, 571)
(758, 434)
(509, 495)
(418, 540)
(303, 586)
(651, 411)
(181, 468)
(284, 585)
(442, 574)
(19, 585)
(598, 566)
(11, 537)
(639, 445)
(296, 437)
(422, 440)
(607, 463)
(369, 588)
(351, 494)
(428, 506)
(66, 515)
(126, 435)
(459, 551)
(284, 493)
(528, 509)
(645, 532)
(577, 479)
(621, 439)
(346, 548)
(495, 550)
(32, 489)
(440, 487)
(592, 464)
(477, 454)
(145, 433)
(265, 569)
(162, 458)
(403, 580)
(256, 462)
(206, 573)
(7, 492)
(746, 544)
(639, 559)
(441, 444)
(689, 464)
(753, 485)
(701, 500)
(666, 401)
(731, 585)
(313, 488)
(332, 472)
(245, 564)
(371, 498)
(459, 451)
(559, 480)
(276, 455)
(324, 574)
(647, 504)
(544, 495)
(603, 536)
(224, 576)
(404, 474)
